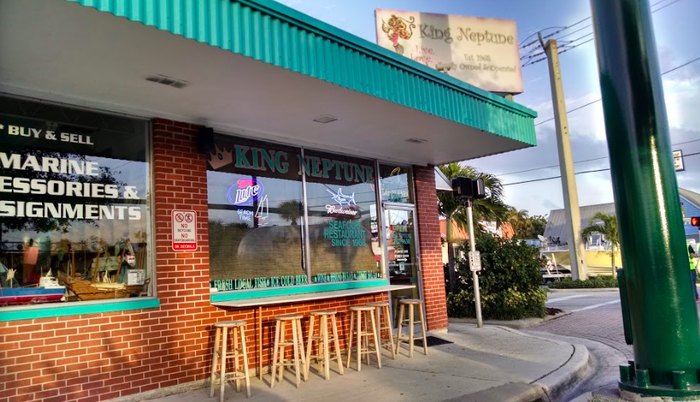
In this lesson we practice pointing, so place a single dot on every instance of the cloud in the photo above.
(682, 97)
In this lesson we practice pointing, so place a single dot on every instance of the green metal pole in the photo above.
(663, 314)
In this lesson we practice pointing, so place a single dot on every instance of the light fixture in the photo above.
(169, 81)
(416, 140)
(325, 118)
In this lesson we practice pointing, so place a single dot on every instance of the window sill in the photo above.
(44, 310)
(248, 299)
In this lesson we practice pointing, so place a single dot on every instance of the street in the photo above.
(595, 315)
(594, 319)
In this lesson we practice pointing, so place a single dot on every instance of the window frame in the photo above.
(47, 310)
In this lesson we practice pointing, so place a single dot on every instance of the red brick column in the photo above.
(430, 249)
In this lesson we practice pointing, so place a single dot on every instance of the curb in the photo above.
(556, 290)
(514, 324)
(576, 370)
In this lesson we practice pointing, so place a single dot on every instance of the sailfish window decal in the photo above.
(341, 198)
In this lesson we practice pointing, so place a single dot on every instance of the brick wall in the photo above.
(95, 357)
(434, 295)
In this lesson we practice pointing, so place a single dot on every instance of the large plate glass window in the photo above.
(255, 215)
(342, 208)
(74, 216)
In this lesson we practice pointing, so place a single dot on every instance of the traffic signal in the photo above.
(695, 221)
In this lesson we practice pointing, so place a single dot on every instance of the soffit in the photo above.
(255, 69)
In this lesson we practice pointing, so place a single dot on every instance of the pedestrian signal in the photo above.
(695, 221)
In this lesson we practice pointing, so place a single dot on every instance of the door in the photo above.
(402, 254)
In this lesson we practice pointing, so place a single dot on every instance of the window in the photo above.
(343, 235)
(74, 216)
(275, 221)
(255, 215)
(395, 183)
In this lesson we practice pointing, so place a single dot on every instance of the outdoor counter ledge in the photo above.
(259, 302)
(262, 301)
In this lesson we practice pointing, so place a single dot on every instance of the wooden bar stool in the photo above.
(221, 354)
(358, 314)
(296, 342)
(322, 342)
(411, 304)
(382, 310)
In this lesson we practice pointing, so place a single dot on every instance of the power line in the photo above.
(561, 29)
(585, 160)
(577, 173)
(599, 99)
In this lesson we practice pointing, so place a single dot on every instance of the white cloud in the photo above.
(682, 97)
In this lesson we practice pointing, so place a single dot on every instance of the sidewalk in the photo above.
(492, 363)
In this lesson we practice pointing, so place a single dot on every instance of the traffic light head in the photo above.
(695, 221)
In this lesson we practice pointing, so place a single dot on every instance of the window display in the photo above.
(262, 227)
(255, 215)
(74, 217)
(344, 241)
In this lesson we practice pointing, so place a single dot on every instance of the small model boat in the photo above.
(48, 291)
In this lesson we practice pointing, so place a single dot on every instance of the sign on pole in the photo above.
(184, 230)
(678, 161)
(475, 261)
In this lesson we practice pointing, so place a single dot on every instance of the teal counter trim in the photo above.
(75, 308)
(257, 294)
(276, 34)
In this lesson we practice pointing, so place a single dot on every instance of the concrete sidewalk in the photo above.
(492, 363)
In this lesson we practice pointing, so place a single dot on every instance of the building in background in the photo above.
(556, 242)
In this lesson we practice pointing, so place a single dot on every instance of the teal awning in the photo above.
(256, 68)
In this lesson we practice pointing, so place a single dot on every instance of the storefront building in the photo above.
(166, 165)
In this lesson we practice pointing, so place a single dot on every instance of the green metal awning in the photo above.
(254, 68)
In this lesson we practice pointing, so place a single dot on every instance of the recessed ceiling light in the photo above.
(169, 81)
(416, 140)
(325, 118)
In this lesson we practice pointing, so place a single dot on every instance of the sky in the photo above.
(530, 176)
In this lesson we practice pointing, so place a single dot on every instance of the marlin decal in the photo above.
(341, 198)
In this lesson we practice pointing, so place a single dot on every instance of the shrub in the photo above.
(509, 281)
(593, 282)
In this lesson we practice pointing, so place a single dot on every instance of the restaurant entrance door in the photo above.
(402, 254)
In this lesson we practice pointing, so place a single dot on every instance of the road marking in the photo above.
(565, 298)
(595, 306)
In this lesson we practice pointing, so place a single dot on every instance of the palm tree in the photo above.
(606, 225)
(525, 226)
(290, 211)
(487, 209)
(490, 208)
(519, 221)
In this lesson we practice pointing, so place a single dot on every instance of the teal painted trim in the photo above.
(75, 308)
(275, 34)
(295, 290)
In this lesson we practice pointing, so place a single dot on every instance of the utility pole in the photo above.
(566, 163)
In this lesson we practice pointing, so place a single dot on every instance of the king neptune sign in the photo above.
(480, 51)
